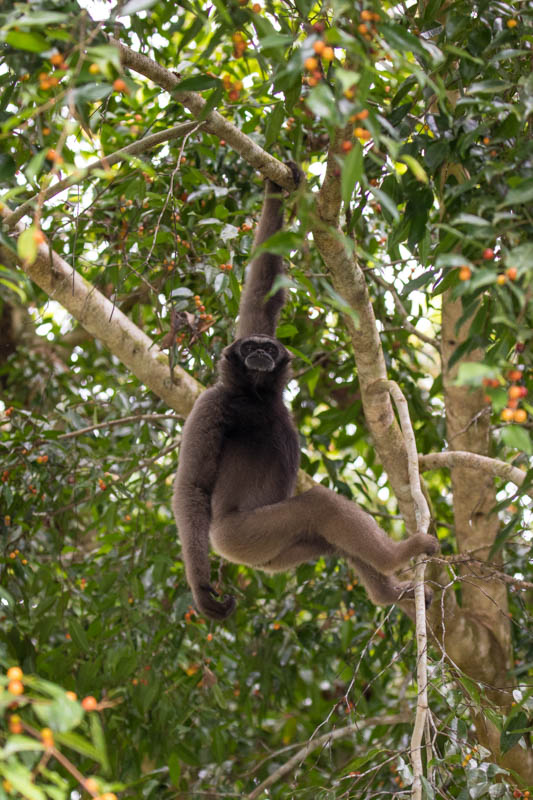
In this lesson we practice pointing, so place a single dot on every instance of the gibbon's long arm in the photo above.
(257, 315)
(195, 479)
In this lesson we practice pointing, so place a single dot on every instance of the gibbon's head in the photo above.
(256, 360)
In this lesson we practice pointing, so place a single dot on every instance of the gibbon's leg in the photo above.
(259, 536)
(298, 553)
(386, 589)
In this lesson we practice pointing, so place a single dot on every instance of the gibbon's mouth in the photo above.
(259, 361)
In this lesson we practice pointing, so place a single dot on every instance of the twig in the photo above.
(402, 310)
(140, 146)
(422, 515)
(109, 423)
(496, 574)
(324, 740)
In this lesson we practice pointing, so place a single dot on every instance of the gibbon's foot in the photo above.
(407, 592)
(416, 545)
(204, 597)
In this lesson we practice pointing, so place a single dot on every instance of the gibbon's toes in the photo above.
(426, 544)
(408, 593)
(205, 599)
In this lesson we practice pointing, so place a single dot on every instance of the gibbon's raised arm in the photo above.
(193, 487)
(257, 315)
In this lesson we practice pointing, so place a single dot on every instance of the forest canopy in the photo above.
(135, 138)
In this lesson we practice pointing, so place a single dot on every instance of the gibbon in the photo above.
(239, 460)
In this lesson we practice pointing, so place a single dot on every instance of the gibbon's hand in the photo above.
(297, 173)
(204, 597)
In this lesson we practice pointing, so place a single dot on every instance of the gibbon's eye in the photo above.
(271, 349)
(247, 348)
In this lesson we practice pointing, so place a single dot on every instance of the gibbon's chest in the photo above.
(259, 458)
(258, 424)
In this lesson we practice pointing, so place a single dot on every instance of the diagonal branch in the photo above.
(214, 122)
(107, 323)
(136, 148)
(323, 741)
(349, 281)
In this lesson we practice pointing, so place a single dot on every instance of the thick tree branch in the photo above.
(108, 324)
(457, 458)
(136, 148)
(214, 122)
(349, 281)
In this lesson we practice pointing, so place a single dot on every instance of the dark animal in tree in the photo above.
(239, 459)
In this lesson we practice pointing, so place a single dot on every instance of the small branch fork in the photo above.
(422, 516)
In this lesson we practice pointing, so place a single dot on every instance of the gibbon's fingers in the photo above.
(297, 174)
(204, 597)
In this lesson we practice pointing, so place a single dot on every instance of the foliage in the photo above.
(437, 178)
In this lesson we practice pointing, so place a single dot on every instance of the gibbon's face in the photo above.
(260, 353)
(254, 357)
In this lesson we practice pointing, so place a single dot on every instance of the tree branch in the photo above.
(107, 323)
(323, 741)
(136, 148)
(464, 458)
(349, 281)
(402, 310)
(422, 516)
(214, 122)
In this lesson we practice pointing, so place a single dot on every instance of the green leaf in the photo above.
(39, 19)
(7, 167)
(198, 83)
(27, 246)
(517, 438)
(281, 244)
(61, 714)
(520, 257)
(79, 637)
(97, 735)
(20, 744)
(105, 53)
(33, 42)
(523, 193)
(286, 331)
(488, 87)
(400, 39)
(174, 769)
(134, 6)
(321, 102)
(273, 125)
(21, 779)
(469, 219)
(416, 168)
(77, 743)
(501, 537)
(514, 728)
(352, 171)
(91, 92)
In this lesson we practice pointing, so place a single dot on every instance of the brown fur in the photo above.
(239, 459)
